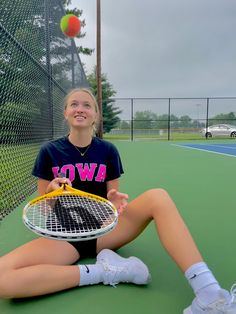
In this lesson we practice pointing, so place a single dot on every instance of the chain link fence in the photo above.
(38, 65)
(171, 118)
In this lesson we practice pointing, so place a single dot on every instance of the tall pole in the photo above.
(98, 69)
(169, 120)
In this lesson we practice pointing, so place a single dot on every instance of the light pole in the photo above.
(98, 70)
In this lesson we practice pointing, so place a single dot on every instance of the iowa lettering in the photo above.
(87, 172)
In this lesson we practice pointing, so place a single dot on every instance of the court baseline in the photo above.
(222, 149)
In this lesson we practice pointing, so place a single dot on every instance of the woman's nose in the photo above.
(79, 109)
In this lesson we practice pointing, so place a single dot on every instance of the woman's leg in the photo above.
(38, 267)
(175, 237)
(43, 266)
(157, 205)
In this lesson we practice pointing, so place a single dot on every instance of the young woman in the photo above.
(45, 266)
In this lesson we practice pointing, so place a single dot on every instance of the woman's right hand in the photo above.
(56, 184)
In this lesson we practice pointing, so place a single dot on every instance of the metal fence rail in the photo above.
(170, 118)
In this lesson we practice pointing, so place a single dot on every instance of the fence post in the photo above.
(207, 116)
(169, 120)
(48, 61)
(132, 120)
(72, 63)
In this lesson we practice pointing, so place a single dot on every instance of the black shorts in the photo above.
(86, 248)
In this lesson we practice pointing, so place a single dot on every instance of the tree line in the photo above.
(149, 120)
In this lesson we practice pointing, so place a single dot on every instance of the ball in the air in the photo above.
(70, 25)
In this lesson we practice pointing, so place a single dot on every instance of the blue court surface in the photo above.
(223, 149)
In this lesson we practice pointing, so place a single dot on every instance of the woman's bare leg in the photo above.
(175, 237)
(37, 268)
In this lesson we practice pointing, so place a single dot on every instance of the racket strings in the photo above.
(73, 218)
(71, 214)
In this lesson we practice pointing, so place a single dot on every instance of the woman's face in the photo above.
(80, 111)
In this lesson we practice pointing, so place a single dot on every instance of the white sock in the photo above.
(203, 283)
(90, 274)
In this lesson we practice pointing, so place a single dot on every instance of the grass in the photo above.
(146, 136)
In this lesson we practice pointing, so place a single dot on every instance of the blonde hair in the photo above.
(89, 92)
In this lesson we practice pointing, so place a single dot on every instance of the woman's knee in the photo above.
(160, 201)
(157, 195)
(158, 192)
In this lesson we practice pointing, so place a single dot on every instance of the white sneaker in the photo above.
(225, 304)
(119, 269)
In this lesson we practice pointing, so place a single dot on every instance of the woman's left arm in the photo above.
(118, 199)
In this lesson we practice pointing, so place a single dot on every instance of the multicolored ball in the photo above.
(70, 25)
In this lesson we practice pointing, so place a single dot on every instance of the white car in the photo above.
(220, 130)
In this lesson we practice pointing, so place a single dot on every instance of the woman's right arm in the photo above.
(42, 186)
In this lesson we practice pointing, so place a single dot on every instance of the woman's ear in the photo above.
(96, 121)
(65, 115)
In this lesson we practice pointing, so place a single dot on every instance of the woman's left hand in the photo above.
(118, 199)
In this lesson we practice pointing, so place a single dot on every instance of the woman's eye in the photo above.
(76, 105)
(87, 105)
(73, 104)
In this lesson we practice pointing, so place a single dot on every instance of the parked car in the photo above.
(220, 130)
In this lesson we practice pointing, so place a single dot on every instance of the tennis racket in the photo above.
(70, 214)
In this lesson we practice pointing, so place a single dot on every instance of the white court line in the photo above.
(231, 147)
(204, 150)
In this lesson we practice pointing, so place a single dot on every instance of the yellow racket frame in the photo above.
(66, 189)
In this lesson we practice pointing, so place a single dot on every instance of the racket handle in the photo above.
(62, 175)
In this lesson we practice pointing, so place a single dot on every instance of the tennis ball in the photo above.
(70, 25)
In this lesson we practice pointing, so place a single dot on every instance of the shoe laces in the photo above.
(233, 293)
(227, 304)
(109, 269)
(226, 301)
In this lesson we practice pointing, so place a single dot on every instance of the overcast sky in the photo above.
(164, 48)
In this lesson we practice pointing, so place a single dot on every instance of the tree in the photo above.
(144, 119)
(110, 112)
(29, 70)
(124, 124)
(185, 121)
(163, 121)
(149, 120)
(78, 13)
(229, 118)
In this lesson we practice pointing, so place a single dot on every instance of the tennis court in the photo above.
(202, 185)
(228, 149)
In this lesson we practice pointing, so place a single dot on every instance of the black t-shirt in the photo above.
(89, 173)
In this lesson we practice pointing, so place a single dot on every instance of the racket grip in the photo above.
(62, 175)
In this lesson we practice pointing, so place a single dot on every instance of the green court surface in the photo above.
(203, 186)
